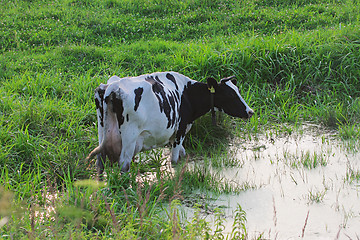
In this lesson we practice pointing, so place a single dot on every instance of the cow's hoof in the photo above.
(173, 161)
(125, 167)
(182, 152)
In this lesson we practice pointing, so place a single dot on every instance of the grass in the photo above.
(306, 159)
(352, 175)
(295, 61)
(313, 161)
(316, 196)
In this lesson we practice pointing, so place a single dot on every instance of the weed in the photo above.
(306, 159)
(313, 161)
(347, 132)
(352, 175)
(227, 159)
(239, 227)
(316, 196)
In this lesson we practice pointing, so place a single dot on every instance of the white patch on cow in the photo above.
(113, 79)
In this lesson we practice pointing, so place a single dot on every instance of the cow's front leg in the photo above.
(177, 152)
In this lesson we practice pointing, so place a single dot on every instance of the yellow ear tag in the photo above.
(212, 90)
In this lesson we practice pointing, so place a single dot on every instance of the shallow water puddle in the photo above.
(300, 187)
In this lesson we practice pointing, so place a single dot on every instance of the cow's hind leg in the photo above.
(126, 157)
(100, 165)
(127, 149)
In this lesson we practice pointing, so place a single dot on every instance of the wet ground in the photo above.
(302, 185)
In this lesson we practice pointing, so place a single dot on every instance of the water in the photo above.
(288, 199)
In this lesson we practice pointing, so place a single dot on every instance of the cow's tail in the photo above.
(100, 148)
(94, 152)
(99, 98)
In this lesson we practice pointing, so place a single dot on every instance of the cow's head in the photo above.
(227, 97)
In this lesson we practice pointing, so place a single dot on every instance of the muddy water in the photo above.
(289, 200)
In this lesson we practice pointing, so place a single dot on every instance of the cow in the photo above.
(140, 113)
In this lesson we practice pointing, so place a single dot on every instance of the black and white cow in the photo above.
(141, 113)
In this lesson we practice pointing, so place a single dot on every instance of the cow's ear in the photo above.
(212, 83)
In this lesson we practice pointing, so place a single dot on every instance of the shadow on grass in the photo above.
(204, 137)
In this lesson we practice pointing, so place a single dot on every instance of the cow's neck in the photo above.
(199, 98)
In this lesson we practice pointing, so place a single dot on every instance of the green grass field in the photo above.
(295, 61)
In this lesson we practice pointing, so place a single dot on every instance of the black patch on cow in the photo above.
(127, 117)
(157, 86)
(173, 102)
(195, 102)
(99, 104)
(158, 80)
(177, 95)
(167, 102)
(227, 100)
(172, 78)
(118, 107)
(138, 92)
(101, 109)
